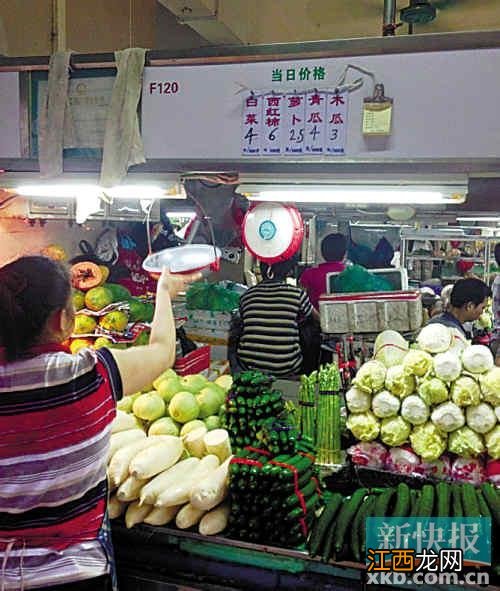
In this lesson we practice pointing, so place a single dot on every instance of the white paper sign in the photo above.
(251, 126)
(336, 123)
(293, 123)
(272, 123)
(315, 129)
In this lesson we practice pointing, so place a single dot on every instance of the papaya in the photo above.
(102, 342)
(98, 298)
(55, 252)
(115, 321)
(85, 276)
(84, 324)
(78, 299)
(105, 273)
(78, 344)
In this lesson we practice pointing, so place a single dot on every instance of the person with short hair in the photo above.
(333, 250)
(495, 341)
(468, 299)
(56, 411)
(267, 338)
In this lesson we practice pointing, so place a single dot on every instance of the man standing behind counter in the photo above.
(333, 249)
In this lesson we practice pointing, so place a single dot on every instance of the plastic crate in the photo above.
(194, 362)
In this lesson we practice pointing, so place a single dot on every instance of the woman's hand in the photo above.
(176, 283)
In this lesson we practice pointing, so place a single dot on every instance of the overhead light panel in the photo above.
(493, 219)
(357, 194)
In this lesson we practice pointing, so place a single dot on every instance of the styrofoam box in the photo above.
(370, 312)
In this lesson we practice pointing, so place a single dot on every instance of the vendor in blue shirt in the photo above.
(468, 299)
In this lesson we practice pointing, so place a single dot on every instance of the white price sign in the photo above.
(315, 129)
(336, 123)
(251, 126)
(293, 123)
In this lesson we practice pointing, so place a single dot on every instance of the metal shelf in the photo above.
(421, 257)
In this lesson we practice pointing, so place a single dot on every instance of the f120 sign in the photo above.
(163, 87)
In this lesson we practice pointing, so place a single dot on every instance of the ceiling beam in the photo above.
(207, 18)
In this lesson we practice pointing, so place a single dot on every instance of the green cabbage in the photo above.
(465, 391)
(481, 418)
(414, 410)
(478, 359)
(399, 382)
(447, 366)
(390, 348)
(364, 426)
(357, 400)
(493, 442)
(370, 377)
(490, 386)
(448, 417)
(417, 362)
(434, 338)
(428, 441)
(433, 391)
(465, 442)
(394, 431)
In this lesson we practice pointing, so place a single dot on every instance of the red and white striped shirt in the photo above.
(56, 411)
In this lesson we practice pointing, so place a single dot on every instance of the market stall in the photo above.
(222, 480)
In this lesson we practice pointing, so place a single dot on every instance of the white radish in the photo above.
(212, 489)
(115, 507)
(118, 468)
(124, 422)
(193, 442)
(164, 480)
(162, 515)
(188, 516)
(130, 489)
(178, 493)
(123, 438)
(215, 521)
(136, 514)
(156, 459)
(217, 442)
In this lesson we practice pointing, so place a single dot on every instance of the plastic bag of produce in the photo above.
(439, 469)
(493, 472)
(402, 460)
(211, 296)
(367, 453)
(467, 470)
(357, 279)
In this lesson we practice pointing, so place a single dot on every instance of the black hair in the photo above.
(468, 291)
(279, 271)
(497, 253)
(31, 289)
(333, 247)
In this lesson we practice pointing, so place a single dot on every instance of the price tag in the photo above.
(251, 126)
(272, 119)
(294, 114)
(315, 128)
(336, 123)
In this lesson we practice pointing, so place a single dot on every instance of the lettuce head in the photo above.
(364, 426)
(447, 366)
(428, 441)
(394, 431)
(390, 348)
(399, 382)
(465, 391)
(490, 386)
(385, 404)
(433, 391)
(481, 418)
(370, 377)
(493, 442)
(414, 410)
(478, 359)
(448, 417)
(357, 400)
(417, 362)
(465, 443)
(434, 338)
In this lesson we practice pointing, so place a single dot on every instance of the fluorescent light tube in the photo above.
(350, 194)
(480, 219)
(80, 190)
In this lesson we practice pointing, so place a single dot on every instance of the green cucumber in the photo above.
(370, 512)
(346, 516)
(456, 498)
(443, 499)
(324, 522)
(469, 501)
(483, 505)
(426, 502)
(492, 497)
(359, 524)
(402, 507)
(414, 500)
(382, 502)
